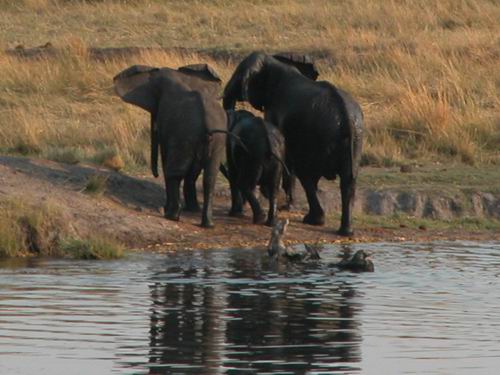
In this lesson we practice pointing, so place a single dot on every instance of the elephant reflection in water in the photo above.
(200, 327)
(186, 327)
(287, 323)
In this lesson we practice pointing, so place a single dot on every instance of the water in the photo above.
(427, 309)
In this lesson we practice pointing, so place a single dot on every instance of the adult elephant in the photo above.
(322, 125)
(306, 66)
(188, 126)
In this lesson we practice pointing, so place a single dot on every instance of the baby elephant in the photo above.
(255, 155)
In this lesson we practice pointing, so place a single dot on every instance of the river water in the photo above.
(427, 309)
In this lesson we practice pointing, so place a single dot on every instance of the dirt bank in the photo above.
(130, 210)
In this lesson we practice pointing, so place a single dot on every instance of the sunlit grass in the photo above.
(426, 73)
(42, 230)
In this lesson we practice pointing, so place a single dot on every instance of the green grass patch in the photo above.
(94, 248)
(433, 177)
(396, 221)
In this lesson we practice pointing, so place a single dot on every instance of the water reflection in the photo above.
(255, 320)
(427, 309)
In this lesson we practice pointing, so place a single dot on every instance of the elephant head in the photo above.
(134, 86)
(252, 76)
(303, 63)
(246, 82)
(140, 85)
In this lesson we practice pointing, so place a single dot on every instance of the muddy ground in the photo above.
(130, 210)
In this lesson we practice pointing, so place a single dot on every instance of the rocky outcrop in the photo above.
(423, 203)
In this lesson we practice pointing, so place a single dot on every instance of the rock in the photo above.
(359, 262)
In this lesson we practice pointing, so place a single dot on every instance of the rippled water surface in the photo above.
(427, 309)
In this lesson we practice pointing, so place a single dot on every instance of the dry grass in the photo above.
(96, 185)
(41, 230)
(426, 73)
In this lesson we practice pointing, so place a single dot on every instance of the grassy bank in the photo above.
(398, 220)
(29, 230)
(426, 73)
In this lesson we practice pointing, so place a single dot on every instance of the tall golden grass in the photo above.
(425, 72)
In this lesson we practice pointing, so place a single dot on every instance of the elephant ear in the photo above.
(135, 86)
(303, 63)
(248, 82)
(203, 71)
(201, 78)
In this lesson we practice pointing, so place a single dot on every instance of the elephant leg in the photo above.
(154, 146)
(347, 191)
(209, 178)
(288, 184)
(236, 195)
(273, 189)
(236, 201)
(173, 210)
(163, 153)
(316, 215)
(258, 216)
(189, 189)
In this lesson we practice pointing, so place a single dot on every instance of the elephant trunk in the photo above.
(154, 147)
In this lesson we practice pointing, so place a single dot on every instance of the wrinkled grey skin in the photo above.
(306, 66)
(254, 158)
(188, 127)
(322, 125)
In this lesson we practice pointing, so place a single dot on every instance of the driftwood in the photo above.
(276, 248)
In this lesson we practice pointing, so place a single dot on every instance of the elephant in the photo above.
(322, 126)
(306, 66)
(188, 127)
(254, 154)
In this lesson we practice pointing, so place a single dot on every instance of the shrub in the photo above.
(96, 184)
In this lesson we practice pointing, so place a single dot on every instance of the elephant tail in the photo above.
(235, 137)
(223, 170)
(154, 147)
(283, 164)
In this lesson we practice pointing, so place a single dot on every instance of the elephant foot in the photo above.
(236, 213)
(172, 215)
(314, 219)
(192, 208)
(206, 223)
(346, 232)
(270, 222)
(259, 218)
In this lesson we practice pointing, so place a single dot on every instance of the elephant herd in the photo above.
(309, 130)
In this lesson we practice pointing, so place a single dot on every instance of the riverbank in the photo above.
(127, 208)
